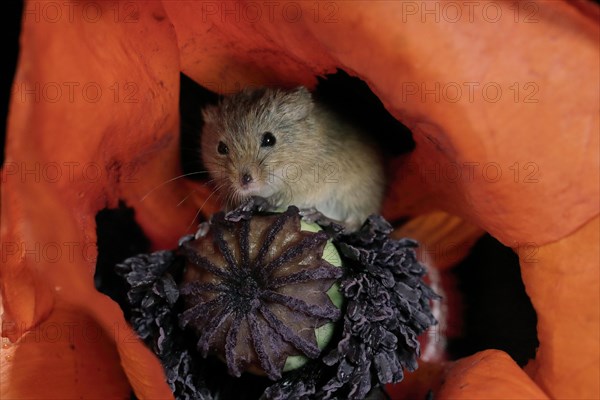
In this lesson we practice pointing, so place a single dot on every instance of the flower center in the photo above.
(245, 289)
(249, 289)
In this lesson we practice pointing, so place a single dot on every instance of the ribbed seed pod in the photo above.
(258, 292)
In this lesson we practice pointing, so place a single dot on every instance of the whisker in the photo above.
(185, 198)
(203, 204)
(171, 180)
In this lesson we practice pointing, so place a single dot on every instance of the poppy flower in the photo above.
(259, 291)
(501, 99)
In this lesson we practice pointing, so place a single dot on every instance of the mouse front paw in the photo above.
(315, 216)
(261, 204)
(311, 214)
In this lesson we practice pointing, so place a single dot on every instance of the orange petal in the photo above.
(112, 134)
(490, 374)
(563, 282)
(68, 356)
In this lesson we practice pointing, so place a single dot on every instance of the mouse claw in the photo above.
(310, 214)
(203, 229)
(260, 203)
(313, 215)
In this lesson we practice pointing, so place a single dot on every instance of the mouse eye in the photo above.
(268, 140)
(222, 148)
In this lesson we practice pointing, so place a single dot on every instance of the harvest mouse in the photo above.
(285, 147)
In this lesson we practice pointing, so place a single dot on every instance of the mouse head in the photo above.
(250, 139)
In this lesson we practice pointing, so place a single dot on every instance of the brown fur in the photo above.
(318, 161)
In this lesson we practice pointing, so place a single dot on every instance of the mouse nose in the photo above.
(246, 178)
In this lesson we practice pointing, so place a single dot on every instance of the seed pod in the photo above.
(260, 292)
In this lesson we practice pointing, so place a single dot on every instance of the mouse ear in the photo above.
(300, 103)
(302, 94)
(209, 114)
